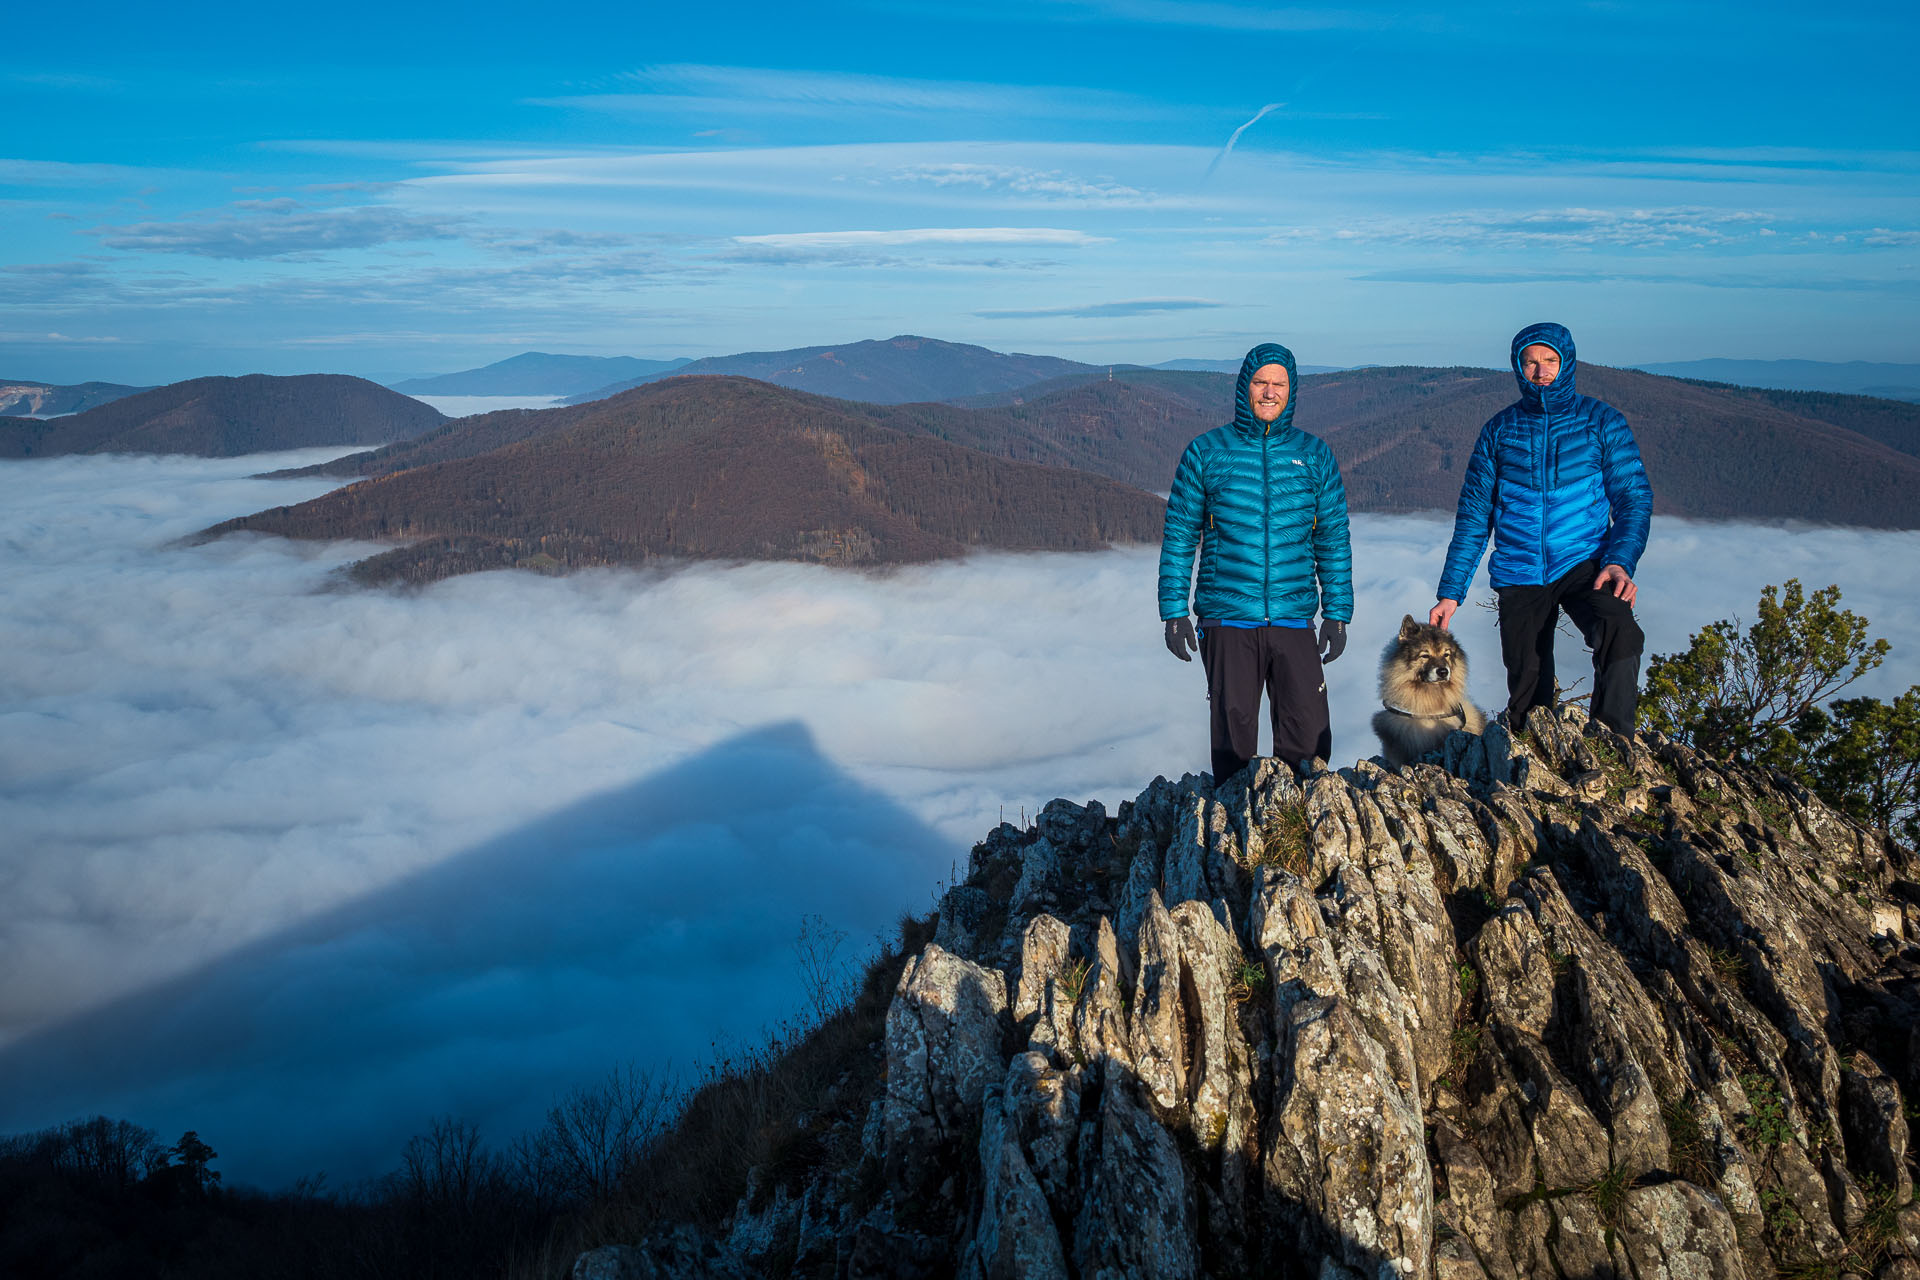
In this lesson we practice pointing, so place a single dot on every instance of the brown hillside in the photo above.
(1402, 436)
(455, 438)
(715, 468)
(227, 417)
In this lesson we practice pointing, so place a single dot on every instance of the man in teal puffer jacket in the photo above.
(1263, 503)
(1557, 479)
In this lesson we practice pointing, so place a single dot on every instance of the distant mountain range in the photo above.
(725, 467)
(1401, 434)
(706, 468)
(535, 373)
(44, 399)
(226, 417)
(1233, 366)
(897, 371)
(1854, 377)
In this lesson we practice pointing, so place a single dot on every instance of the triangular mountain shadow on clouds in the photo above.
(641, 925)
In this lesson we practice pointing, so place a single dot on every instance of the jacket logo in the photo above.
(1296, 462)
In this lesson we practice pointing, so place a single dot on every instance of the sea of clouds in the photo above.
(301, 867)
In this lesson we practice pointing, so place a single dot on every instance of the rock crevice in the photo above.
(1553, 1003)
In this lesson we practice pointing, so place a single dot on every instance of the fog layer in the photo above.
(300, 867)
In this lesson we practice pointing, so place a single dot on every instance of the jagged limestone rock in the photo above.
(1676, 1231)
(1553, 1003)
(1100, 1018)
(1014, 1237)
(1138, 1216)
(1043, 954)
(1043, 1109)
(944, 1032)
(1039, 884)
(1876, 1125)
(967, 922)
(1347, 1168)
(679, 1253)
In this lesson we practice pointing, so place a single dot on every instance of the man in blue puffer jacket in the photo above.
(1263, 503)
(1558, 480)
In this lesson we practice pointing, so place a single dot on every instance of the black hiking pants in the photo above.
(1284, 661)
(1527, 619)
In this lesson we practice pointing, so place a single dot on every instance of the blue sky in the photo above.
(223, 189)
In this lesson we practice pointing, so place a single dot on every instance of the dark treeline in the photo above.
(227, 417)
(105, 1199)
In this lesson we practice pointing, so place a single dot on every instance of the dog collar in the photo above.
(1457, 709)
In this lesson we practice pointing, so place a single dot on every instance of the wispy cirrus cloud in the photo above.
(751, 90)
(1218, 15)
(1107, 310)
(61, 173)
(1603, 274)
(1052, 237)
(1047, 184)
(1568, 228)
(76, 81)
(282, 228)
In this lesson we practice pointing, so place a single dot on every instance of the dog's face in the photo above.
(1430, 655)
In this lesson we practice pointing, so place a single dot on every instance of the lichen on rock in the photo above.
(1555, 1002)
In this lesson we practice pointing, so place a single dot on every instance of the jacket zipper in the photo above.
(1546, 441)
(1266, 525)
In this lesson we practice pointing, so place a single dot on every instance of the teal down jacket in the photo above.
(1264, 505)
(1555, 477)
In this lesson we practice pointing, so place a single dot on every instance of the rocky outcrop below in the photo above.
(1559, 1004)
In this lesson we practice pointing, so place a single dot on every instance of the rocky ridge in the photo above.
(1559, 1003)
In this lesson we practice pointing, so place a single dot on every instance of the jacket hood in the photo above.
(1557, 396)
(1243, 419)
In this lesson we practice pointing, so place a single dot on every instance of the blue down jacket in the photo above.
(1555, 477)
(1265, 506)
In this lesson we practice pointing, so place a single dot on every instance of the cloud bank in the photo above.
(300, 868)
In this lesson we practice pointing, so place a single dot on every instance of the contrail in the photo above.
(1226, 150)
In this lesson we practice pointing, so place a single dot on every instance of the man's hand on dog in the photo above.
(1615, 579)
(1333, 640)
(1181, 642)
(1442, 613)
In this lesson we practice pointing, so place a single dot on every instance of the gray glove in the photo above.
(1181, 642)
(1333, 639)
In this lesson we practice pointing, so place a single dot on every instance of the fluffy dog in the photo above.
(1423, 684)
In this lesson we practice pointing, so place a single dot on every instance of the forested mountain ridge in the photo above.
(227, 417)
(20, 398)
(536, 373)
(896, 370)
(714, 468)
(1402, 435)
(1852, 377)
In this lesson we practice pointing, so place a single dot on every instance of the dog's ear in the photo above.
(1408, 627)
